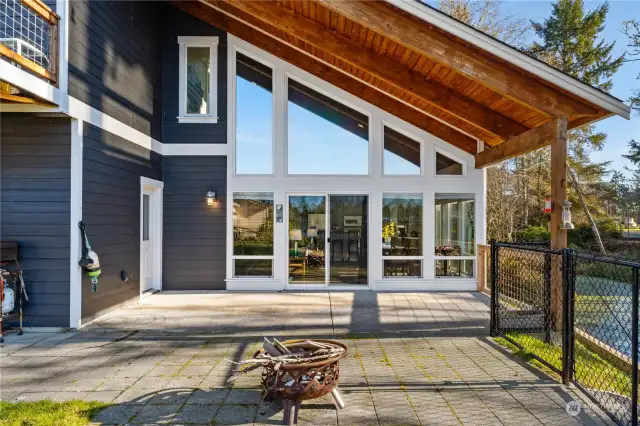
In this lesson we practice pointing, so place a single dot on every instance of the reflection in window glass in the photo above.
(454, 268)
(324, 136)
(402, 268)
(252, 268)
(254, 117)
(307, 236)
(402, 225)
(446, 166)
(252, 224)
(455, 225)
(401, 154)
(198, 77)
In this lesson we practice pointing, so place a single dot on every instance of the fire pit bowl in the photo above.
(294, 383)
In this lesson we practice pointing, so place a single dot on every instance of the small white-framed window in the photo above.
(448, 165)
(252, 234)
(198, 85)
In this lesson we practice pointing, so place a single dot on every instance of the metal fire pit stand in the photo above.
(294, 383)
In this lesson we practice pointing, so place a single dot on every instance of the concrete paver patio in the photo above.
(414, 358)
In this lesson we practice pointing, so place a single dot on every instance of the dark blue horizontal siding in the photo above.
(115, 60)
(35, 174)
(194, 256)
(112, 168)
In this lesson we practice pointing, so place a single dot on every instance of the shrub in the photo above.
(534, 234)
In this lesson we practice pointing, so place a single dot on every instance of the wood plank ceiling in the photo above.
(401, 64)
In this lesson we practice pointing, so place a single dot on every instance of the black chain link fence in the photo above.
(575, 313)
(525, 297)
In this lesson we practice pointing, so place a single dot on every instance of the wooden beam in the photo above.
(558, 187)
(17, 99)
(43, 10)
(26, 63)
(337, 78)
(558, 235)
(272, 18)
(523, 143)
(472, 62)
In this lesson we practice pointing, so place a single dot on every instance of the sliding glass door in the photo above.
(348, 248)
(307, 237)
(328, 249)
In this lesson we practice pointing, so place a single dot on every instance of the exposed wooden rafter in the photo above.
(337, 78)
(424, 38)
(523, 143)
(272, 18)
(17, 99)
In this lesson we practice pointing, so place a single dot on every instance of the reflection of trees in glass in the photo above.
(253, 227)
(197, 80)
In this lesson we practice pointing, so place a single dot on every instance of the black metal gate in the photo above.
(577, 314)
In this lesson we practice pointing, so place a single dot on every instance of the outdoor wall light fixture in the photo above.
(566, 215)
(211, 198)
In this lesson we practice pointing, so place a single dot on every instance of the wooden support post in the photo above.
(558, 235)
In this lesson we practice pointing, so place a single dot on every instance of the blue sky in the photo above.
(619, 130)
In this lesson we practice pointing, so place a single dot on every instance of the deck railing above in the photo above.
(29, 37)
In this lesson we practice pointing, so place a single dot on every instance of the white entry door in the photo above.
(146, 234)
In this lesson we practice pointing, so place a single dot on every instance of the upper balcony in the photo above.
(29, 32)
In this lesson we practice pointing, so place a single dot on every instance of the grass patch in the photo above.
(591, 370)
(49, 413)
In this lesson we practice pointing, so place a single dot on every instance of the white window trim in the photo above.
(212, 99)
(447, 154)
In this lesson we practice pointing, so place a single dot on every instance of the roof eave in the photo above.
(515, 57)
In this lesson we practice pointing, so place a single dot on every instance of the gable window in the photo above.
(446, 166)
(325, 137)
(254, 117)
(198, 80)
(401, 154)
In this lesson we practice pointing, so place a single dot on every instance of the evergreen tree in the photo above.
(570, 41)
(634, 153)
(632, 30)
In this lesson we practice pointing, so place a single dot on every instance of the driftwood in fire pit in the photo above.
(296, 370)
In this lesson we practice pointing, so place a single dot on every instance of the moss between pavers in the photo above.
(49, 413)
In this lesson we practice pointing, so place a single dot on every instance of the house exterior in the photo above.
(260, 146)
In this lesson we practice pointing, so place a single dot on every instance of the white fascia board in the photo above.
(194, 149)
(514, 57)
(30, 83)
(84, 112)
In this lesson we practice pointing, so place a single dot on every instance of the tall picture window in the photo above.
(402, 235)
(198, 80)
(253, 234)
(325, 137)
(254, 117)
(455, 234)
